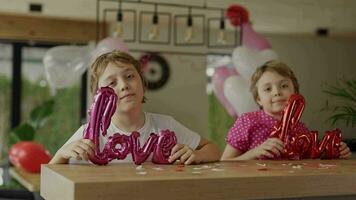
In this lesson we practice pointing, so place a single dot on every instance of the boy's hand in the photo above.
(345, 152)
(271, 148)
(79, 150)
(185, 154)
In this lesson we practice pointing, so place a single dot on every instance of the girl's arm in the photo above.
(270, 148)
(230, 153)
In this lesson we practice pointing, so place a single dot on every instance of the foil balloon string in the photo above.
(304, 145)
(118, 146)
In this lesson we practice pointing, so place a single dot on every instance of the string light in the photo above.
(189, 34)
(119, 29)
(222, 32)
(154, 32)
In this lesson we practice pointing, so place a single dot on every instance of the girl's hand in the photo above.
(345, 152)
(79, 150)
(185, 154)
(271, 148)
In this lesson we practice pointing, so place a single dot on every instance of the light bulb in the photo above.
(154, 33)
(119, 29)
(222, 37)
(189, 34)
(222, 33)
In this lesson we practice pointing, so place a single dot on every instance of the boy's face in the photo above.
(127, 84)
(274, 91)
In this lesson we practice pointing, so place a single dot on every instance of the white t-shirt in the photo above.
(154, 123)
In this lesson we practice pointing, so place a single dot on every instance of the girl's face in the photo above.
(127, 84)
(274, 91)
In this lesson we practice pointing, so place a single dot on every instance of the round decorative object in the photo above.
(155, 70)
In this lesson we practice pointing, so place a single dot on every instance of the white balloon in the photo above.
(64, 65)
(247, 60)
(109, 44)
(236, 90)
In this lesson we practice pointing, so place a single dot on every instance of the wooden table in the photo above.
(28, 180)
(224, 180)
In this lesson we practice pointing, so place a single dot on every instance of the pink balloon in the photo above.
(253, 40)
(166, 142)
(118, 145)
(236, 90)
(109, 44)
(218, 79)
(140, 155)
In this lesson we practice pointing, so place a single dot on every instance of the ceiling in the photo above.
(267, 16)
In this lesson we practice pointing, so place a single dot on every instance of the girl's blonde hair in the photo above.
(272, 66)
(99, 65)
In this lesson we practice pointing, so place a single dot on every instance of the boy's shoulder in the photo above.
(158, 117)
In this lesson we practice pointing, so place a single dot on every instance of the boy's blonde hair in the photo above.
(272, 66)
(99, 65)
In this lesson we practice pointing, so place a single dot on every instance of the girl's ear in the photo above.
(258, 101)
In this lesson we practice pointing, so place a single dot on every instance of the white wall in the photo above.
(184, 96)
(316, 61)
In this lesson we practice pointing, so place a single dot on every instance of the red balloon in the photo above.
(29, 156)
(235, 12)
(304, 145)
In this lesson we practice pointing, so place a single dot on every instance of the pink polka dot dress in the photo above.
(253, 128)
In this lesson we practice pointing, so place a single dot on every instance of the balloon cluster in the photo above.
(118, 145)
(231, 85)
(64, 65)
(304, 145)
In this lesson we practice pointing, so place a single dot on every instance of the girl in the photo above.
(271, 85)
(122, 72)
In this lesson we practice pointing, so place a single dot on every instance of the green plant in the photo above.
(219, 122)
(27, 130)
(343, 106)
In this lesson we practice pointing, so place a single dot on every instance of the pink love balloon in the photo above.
(166, 142)
(253, 40)
(139, 155)
(218, 79)
(119, 146)
(118, 151)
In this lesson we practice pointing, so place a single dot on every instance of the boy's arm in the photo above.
(57, 159)
(207, 151)
(80, 150)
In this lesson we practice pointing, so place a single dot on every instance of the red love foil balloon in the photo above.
(304, 145)
(118, 145)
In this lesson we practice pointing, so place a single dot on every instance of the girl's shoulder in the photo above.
(252, 116)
